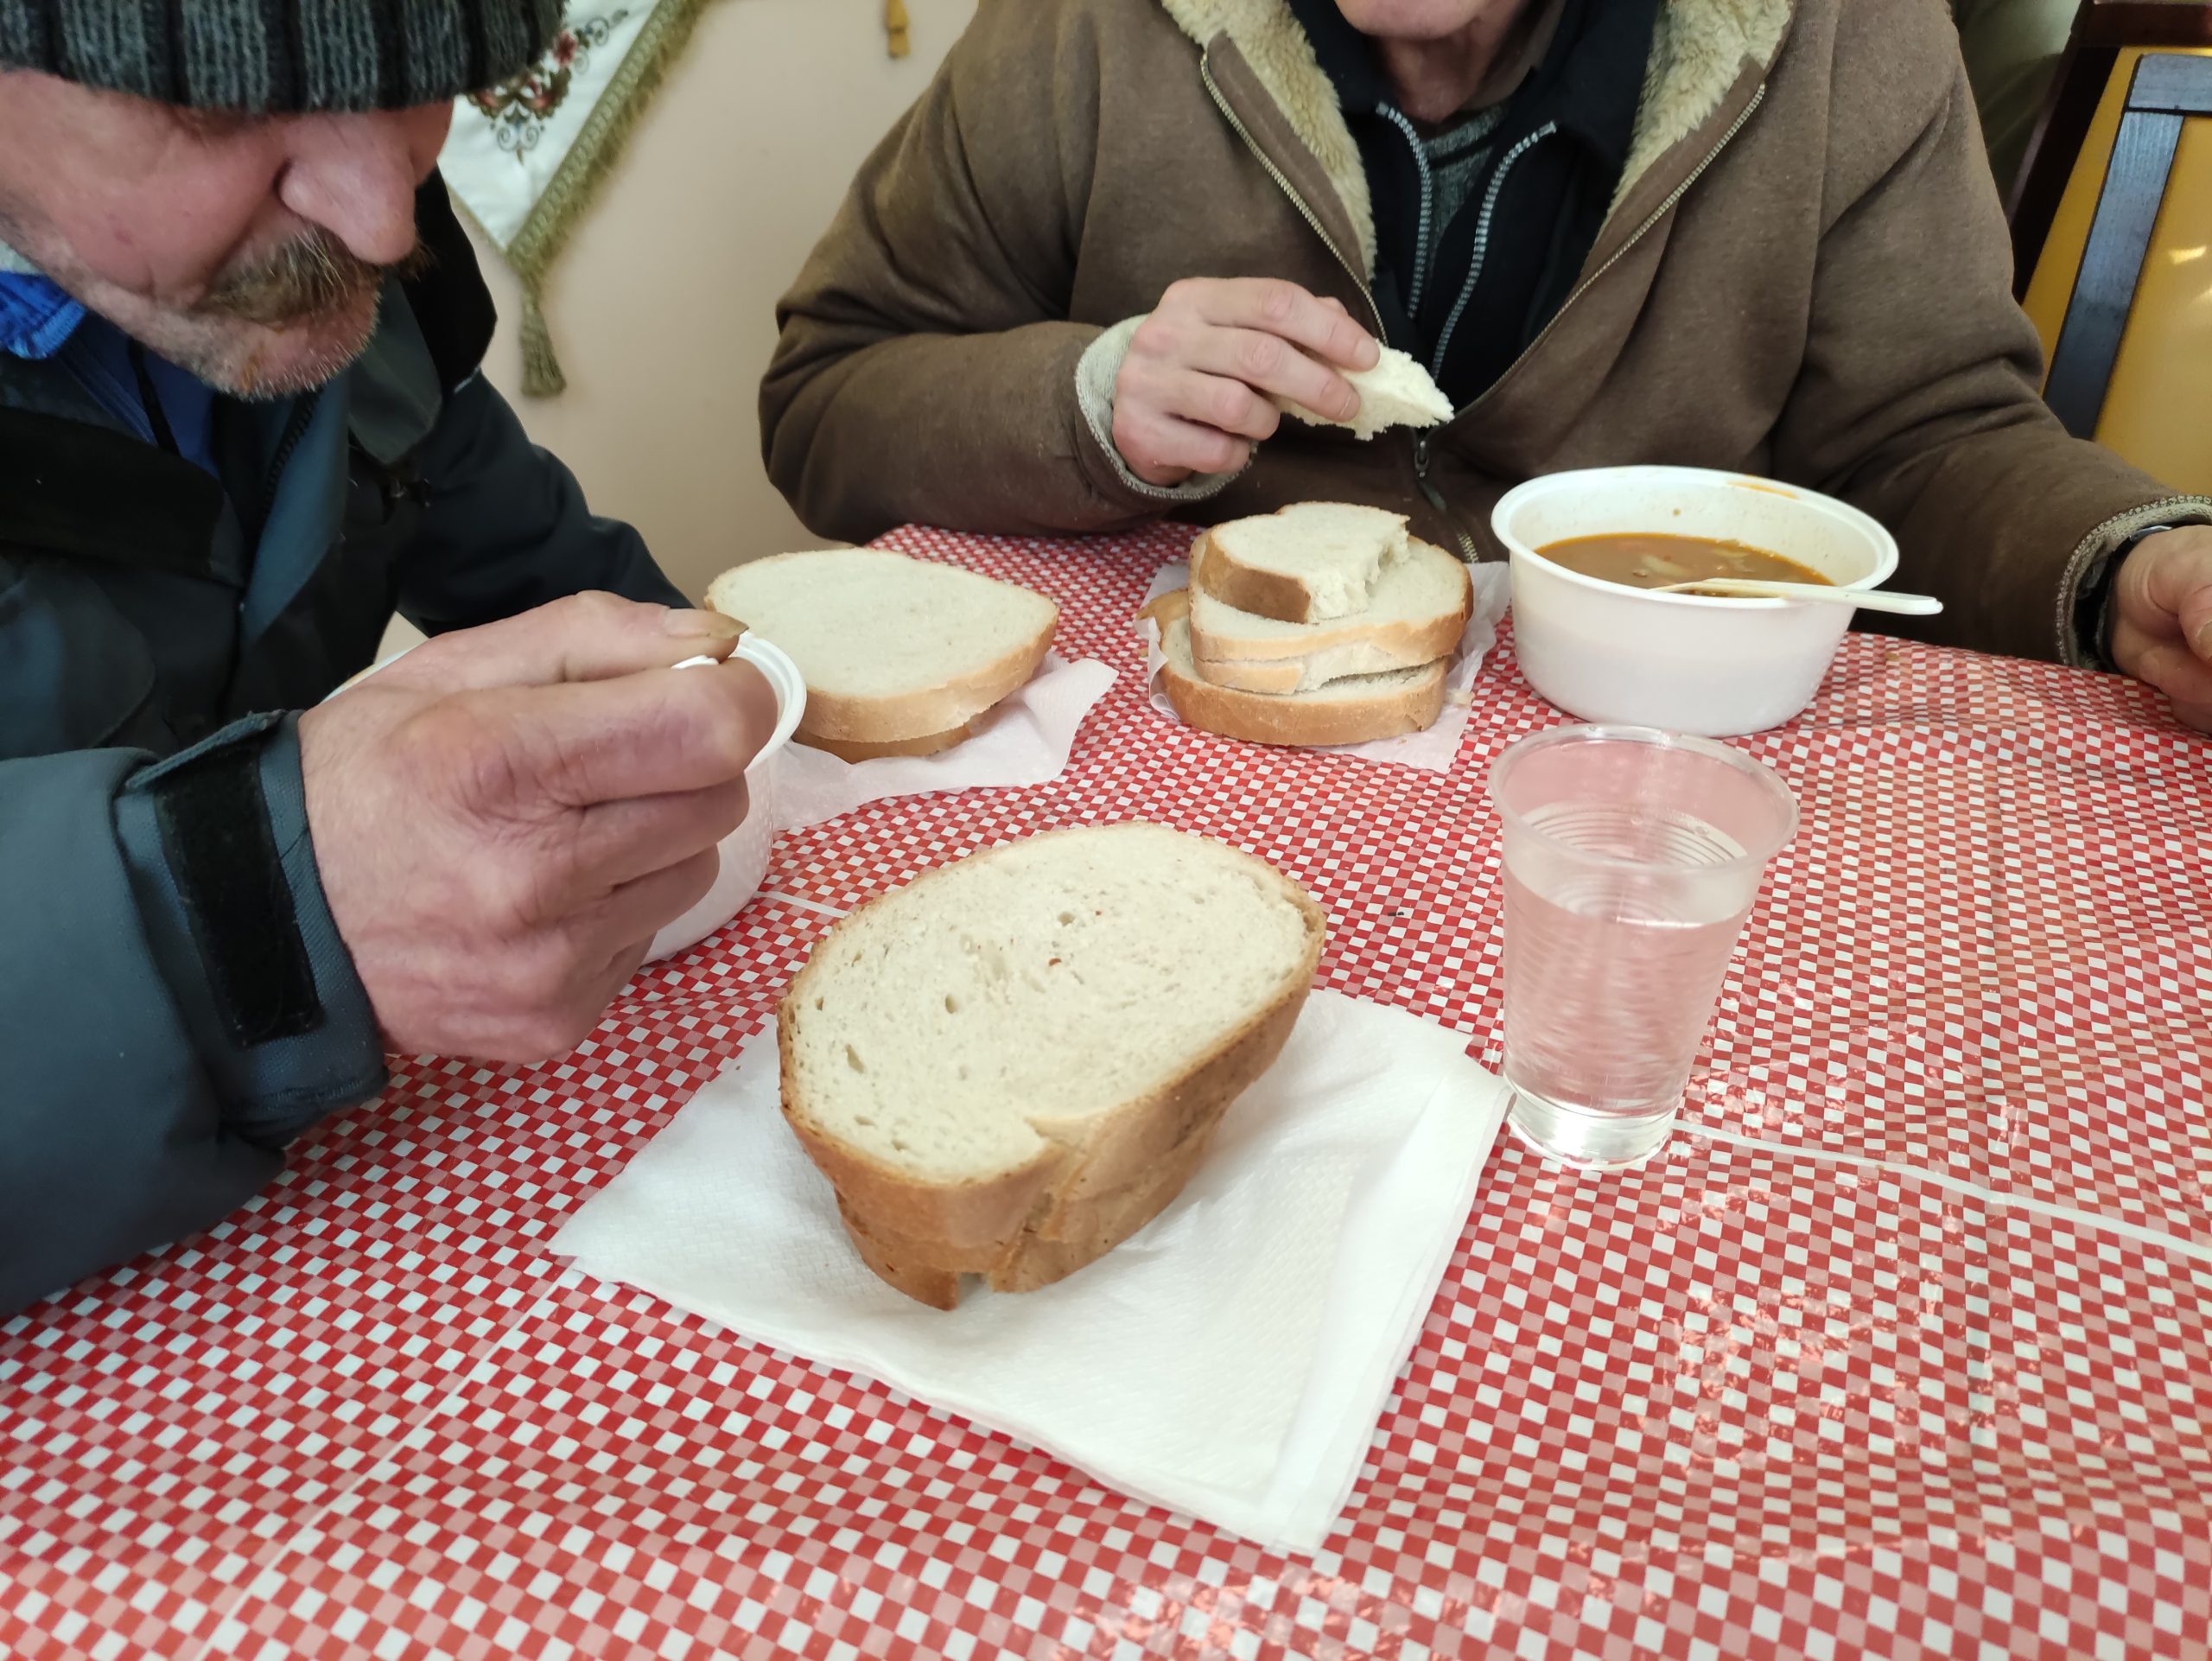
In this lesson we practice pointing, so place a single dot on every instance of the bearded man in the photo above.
(241, 423)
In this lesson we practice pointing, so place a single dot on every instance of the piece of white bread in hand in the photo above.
(900, 656)
(1309, 563)
(1416, 614)
(1014, 1063)
(1353, 710)
(1396, 392)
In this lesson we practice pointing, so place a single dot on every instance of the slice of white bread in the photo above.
(1309, 563)
(1417, 613)
(1396, 392)
(1353, 710)
(1288, 677)
(1013, 1063)
(899, 655)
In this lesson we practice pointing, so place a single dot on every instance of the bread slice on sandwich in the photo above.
(1352, 711)
(1309, 563)
(901, 656)
(1013, 1063)
(1396, 392)
(1415, 614)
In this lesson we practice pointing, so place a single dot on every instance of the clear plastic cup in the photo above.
(1632, 857)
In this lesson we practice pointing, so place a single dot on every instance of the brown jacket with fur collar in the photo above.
(1805, 274)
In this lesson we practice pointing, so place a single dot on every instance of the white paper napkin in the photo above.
(1025, 741)
(1430, 749)
(1229, 1362)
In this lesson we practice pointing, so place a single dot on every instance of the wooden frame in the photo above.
(2167, 88)
(2103, 27)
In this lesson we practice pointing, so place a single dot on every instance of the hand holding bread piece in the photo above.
(1210, 370)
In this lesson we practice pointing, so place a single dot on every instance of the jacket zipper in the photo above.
(1436, 497)
(1206, 73)
(1622, 252)
(1428, 204)
(1422, 444)
(296, 429)
(1478, 253)
(1468, 551)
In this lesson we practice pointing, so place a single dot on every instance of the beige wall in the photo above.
(662, 309)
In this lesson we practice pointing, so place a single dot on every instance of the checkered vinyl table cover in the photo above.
(1903, 1348)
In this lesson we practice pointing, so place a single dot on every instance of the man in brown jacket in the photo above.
(1748, 234)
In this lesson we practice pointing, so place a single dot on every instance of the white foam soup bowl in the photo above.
(1606, 652)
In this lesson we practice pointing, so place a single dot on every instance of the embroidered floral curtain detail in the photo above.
(525, 158)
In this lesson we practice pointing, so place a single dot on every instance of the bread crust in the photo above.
(916, 716)
(1095, 1180)
(1296, 720)
(853, 750)
(1275, 666)
(1277, 595)
(1073, 1237)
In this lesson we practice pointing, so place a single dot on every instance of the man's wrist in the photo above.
(1095, 373)
(225, 868)
(2095, 614)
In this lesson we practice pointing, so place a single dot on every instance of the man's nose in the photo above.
(355, 176)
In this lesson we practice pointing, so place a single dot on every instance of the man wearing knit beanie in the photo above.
(240, 424)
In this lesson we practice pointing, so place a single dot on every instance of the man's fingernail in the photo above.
(702, 626)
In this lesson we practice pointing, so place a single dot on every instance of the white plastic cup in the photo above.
(1632, 859)
(744, 851)
(1602, 651)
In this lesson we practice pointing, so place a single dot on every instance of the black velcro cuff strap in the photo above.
(229, 874)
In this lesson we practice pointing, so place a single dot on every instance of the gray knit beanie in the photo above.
(279, 57)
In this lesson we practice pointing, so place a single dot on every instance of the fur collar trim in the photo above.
(1699, 48)
(1279, 55)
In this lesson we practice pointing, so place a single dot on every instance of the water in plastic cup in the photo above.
(1632, 857)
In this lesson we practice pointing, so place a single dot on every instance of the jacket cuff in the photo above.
(217, 841)
(1096, 372)
(2084, 618)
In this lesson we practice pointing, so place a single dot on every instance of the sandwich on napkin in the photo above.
(1322, 624)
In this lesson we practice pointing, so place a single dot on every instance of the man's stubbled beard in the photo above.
(310, 276)
(301, 291)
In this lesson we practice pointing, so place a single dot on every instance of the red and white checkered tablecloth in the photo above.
(1903, 1348)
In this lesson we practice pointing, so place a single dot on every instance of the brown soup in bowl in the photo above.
(1654, 562)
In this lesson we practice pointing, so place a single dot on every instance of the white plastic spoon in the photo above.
(1752, 588)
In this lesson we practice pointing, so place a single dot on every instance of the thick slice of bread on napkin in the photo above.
(1417, 613)
(1076, 1234)
(1396, 392)
(1013, 1063)
(1350, 711)
(1309, 563)
(899, 655)
(927, 744)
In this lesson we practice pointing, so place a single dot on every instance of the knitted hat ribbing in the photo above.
(279, 56)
